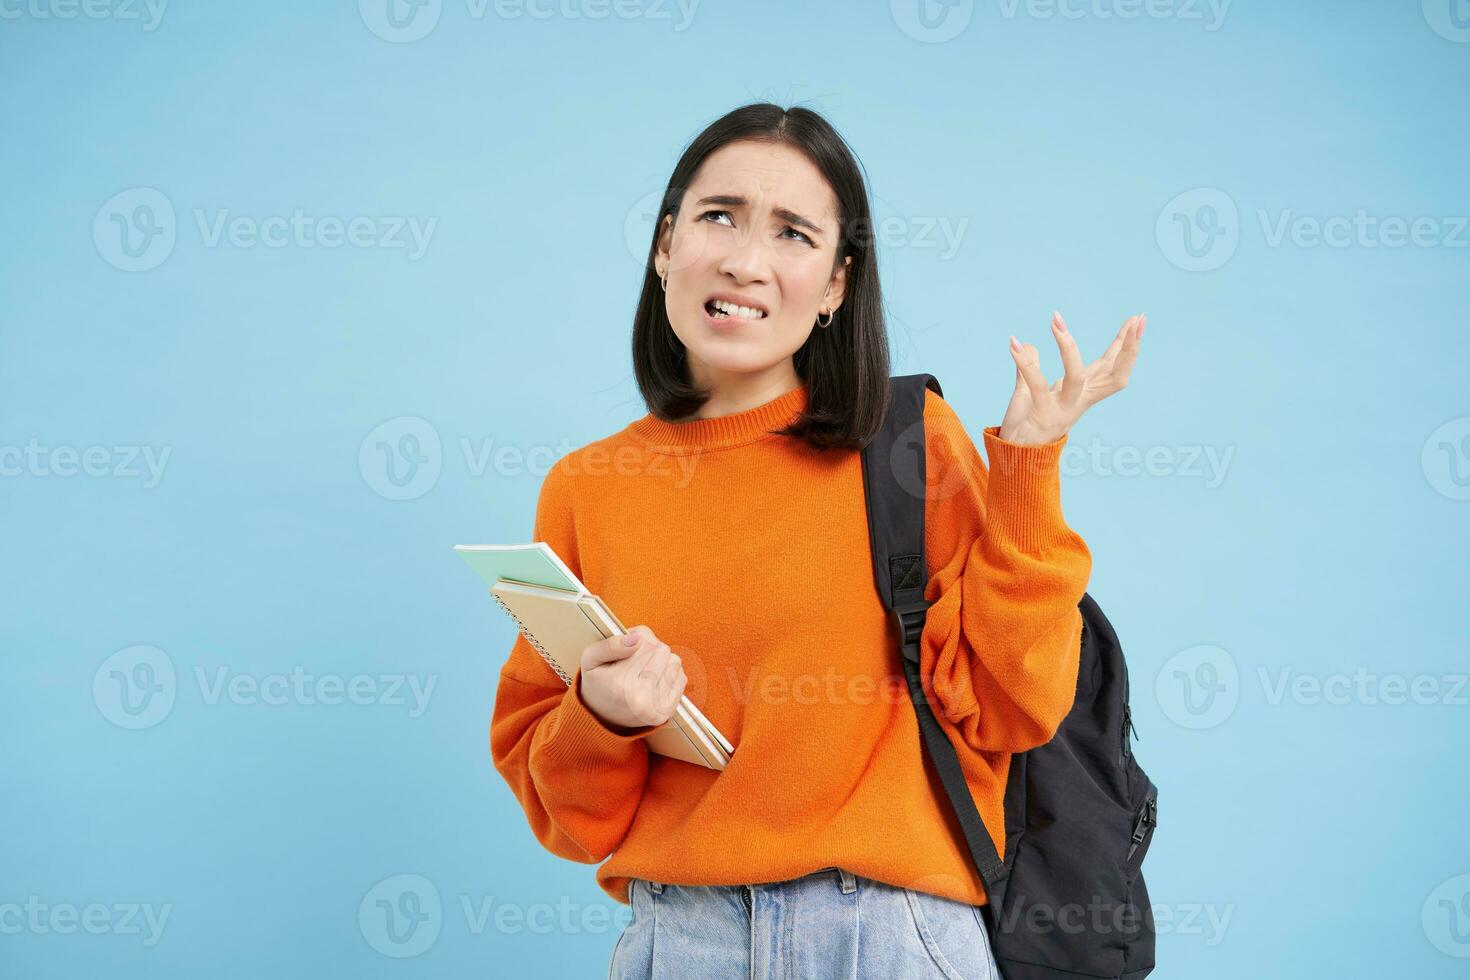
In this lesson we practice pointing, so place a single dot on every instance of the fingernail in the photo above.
(1015, 344)
(1142, 324)
(630, 639)
(1057, 319)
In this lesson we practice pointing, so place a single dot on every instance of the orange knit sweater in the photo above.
(747, 553)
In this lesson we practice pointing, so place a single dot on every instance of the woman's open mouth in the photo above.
(718, 309)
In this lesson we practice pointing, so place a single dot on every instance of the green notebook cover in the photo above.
(535, 564)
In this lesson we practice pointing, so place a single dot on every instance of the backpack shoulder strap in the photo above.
(893, 465)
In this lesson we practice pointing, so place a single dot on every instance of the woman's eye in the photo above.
(802, 235)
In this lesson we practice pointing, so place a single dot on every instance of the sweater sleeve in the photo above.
(578, 780)
(1002, 639)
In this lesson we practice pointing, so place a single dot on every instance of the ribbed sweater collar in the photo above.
(724, 431)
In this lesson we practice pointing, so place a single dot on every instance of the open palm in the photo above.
(1041, 412)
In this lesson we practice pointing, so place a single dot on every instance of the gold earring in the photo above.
(665, 278)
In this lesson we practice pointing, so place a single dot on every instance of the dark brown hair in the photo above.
(845, 365)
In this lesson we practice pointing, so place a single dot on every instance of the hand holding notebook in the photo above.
(633, 680)
(561, 619)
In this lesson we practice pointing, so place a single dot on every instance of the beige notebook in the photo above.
(560, 624)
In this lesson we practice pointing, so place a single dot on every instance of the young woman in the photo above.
(731, 518)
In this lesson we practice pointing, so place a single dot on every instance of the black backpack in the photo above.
(1068, 901)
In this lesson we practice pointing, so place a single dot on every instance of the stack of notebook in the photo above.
(560, 618)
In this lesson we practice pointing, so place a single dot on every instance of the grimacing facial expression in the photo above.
(750, 257)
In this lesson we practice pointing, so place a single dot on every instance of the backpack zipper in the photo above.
(1147, 817)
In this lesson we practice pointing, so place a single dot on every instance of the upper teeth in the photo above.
(733, 310)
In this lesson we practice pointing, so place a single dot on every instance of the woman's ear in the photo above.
(665, 242)
(837, 287)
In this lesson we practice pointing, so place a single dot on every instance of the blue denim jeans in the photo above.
(825, 925)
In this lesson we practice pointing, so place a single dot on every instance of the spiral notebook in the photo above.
(560, 618)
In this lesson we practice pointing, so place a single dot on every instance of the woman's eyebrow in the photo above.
(785, 214)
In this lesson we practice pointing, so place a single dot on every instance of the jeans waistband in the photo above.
(846, 880)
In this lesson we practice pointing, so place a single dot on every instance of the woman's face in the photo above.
(758, 228)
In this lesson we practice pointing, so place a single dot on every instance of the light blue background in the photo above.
(1332, 541)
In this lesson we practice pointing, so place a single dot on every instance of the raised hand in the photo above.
(1041, 412)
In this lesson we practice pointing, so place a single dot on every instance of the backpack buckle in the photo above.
(909, 619)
